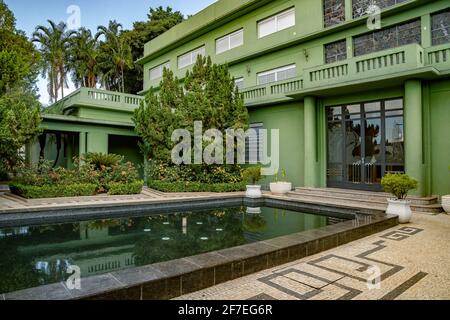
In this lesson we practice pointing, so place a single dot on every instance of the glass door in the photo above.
(365, 141)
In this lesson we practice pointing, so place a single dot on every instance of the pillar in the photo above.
(310, 134)
(414, 133)
(97, 142)
(82, 145)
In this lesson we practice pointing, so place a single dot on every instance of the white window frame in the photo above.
(160, 69)
(239, 80)
(192, 56)
(275, 71)
(228, 39)
(275, 18)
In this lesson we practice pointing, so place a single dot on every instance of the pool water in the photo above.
(39, 255)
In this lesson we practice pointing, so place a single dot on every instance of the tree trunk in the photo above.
(123, 80)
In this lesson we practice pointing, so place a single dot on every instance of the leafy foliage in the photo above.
(53, 191)
(120, 188)
(208, 94)
(252, 174)
(99, 160)
(183, 186)
(19, 125)
(399, 185)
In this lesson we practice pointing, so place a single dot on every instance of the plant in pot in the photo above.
(253, 175)
(399, 185)
(446, 201)
(281, 187)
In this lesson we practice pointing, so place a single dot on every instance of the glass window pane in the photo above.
(334, 12)
(267, 27)
(440, 27)
(222, 45)
(394, 104)
(286, 74)
(266, 78)
(355, 108)
(184, 60)
(395, 152)
(155, 73)
(237, 39)
(286, 20)
(372, 106)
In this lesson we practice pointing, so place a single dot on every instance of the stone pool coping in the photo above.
(174, 278)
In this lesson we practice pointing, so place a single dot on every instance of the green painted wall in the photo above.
(128, 147)
(440, 136)
(288, 118)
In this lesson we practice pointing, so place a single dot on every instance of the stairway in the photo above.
(363, 199)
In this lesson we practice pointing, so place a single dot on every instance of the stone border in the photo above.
(142, 208)
(167, 280)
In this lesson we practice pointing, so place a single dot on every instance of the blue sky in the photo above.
(30, 13)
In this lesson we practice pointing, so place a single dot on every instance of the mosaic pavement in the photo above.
(410, 262)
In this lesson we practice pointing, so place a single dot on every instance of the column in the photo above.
(97, 142)
(82, 144)
(414, 133)
(310, 133)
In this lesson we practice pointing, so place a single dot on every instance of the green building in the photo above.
(355, 95)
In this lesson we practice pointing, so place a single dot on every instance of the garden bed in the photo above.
(53, 191)
(184, 186)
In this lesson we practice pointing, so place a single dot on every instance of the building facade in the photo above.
(356, 91)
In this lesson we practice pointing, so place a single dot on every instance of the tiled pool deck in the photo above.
(412, 258)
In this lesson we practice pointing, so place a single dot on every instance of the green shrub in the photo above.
(119, 188)
(99, 160)
(252, 174)
(53, 191)
(399, 185)
(186, 186)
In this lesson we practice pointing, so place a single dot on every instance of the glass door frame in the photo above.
(363, 185)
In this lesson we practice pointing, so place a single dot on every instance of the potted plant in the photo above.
(446, 201)
(281, 187)
(253, 175)
(399, 185)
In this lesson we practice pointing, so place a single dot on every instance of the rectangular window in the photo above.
(231, 41)
(360, 6)
(239, 82)
(157, 72)
(277, 74)
(336, 51)
(189, 58)
(388, 38)
(333, 12)
(276, 23)
(440, 27)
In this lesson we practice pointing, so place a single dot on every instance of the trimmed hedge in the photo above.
(118, 188)
(53, 191)
(183, 186)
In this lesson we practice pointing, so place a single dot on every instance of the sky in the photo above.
(30, 13)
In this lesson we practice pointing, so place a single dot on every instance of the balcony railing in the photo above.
(357, 69)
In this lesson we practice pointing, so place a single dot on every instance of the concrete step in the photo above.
(366, 195)
(361, 200)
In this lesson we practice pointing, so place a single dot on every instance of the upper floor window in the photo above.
(388, 38)
(231, 41)
(239, 82)
(189, 58)
(360, 6)
(336, 51)
(278, 74)
(440, 27)
(333, 12)
(278, 22)
(157, 72)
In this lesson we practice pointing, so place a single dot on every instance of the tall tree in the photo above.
(84, 59)
(19, 107)
(54, 45)
(159, 21)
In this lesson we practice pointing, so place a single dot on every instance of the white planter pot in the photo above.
(446, 203)
(280, 187)
(400, 208)
(253, 192)
(254, 210)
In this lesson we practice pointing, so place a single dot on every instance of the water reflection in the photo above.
(33, 256)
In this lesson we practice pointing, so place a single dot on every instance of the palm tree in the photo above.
(54, 45)
(116, 53)
(84, 56)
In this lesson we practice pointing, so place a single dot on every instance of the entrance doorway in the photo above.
(365, 142)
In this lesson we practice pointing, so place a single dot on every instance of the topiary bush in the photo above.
(120, 188)
(399, 185)
(53, 191)
(183, 186)
(252, 174)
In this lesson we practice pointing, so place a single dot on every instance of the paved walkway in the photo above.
(413, 260)
(10, 202)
